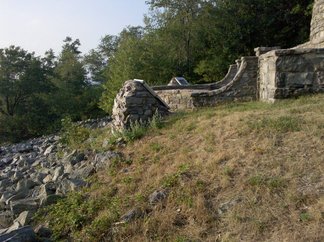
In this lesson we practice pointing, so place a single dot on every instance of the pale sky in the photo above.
(38, 25)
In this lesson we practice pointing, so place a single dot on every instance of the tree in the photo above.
(235, 28)
(23, 91)
(125, 64)
(97, 60)
(20, 77)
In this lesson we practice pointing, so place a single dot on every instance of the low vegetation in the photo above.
(237, 172)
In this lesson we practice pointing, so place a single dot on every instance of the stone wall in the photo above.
(240, 84)
(290, 73)
(136, 102)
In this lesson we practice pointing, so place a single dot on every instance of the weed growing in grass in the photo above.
(156, 147)
(192, 126)
(156, 121)
(136, 131)
(305, 217)
(116, 164)
(229, 171)
(273, 183)
(172, 179)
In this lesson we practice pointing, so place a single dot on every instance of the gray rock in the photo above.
(6, 219)
(19, 206)
(58, 172)
(49, 150)
(25, 184)
(13, 227)
(18, 196)
(83, 172)
(48, 178)
(78, 158)
(102, 160)
(50, 199)
(24, 234)
(43, 231)
(24, 218)
(132, 215)
(67, 185)
(224, 207)
(18, 175)
(6, 183)
(5, 196)
(23, 148)
(6, 160)
(157, 196)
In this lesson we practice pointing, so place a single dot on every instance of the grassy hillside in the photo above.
(238, 172)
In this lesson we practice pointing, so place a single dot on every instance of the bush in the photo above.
(73, 135)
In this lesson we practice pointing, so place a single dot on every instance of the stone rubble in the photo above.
(34, 174)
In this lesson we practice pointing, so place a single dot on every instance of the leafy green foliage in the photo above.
(69, 215)
(73, 135)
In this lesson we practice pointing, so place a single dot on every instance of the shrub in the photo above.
(73, 135)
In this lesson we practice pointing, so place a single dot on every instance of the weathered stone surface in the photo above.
(6, 219)
(136, 102)
(240, 84)
(43, 232)
(84, 172)
(24, 234)
(290, 73)
(24, 218)
(132, 215)
(32, 175)
(22, 205)
(67, 185)
(157, 196)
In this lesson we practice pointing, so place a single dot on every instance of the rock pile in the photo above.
(95, 123)
(34, 174)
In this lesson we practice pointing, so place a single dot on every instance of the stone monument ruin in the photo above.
(271, 74)
(136, 102)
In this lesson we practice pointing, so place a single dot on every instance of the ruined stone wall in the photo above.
(180, 99)
(291, 73)
(136, 102)
(238, 85)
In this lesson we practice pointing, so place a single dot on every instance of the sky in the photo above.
(38, 25)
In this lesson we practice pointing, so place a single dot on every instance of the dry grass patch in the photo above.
(238, 172)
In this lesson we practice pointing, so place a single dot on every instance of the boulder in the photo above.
(67, 185)
(83, 173)
(43, 231)
(19, 206)
(24, 218)
(24, 234)
(6, 219)
(132, 215)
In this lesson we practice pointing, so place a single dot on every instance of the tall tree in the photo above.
(23, 90)
(97, 60)
(20, 77)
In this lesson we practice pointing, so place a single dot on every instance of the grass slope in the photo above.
(238, 172)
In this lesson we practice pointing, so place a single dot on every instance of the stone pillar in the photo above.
(317, 24)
